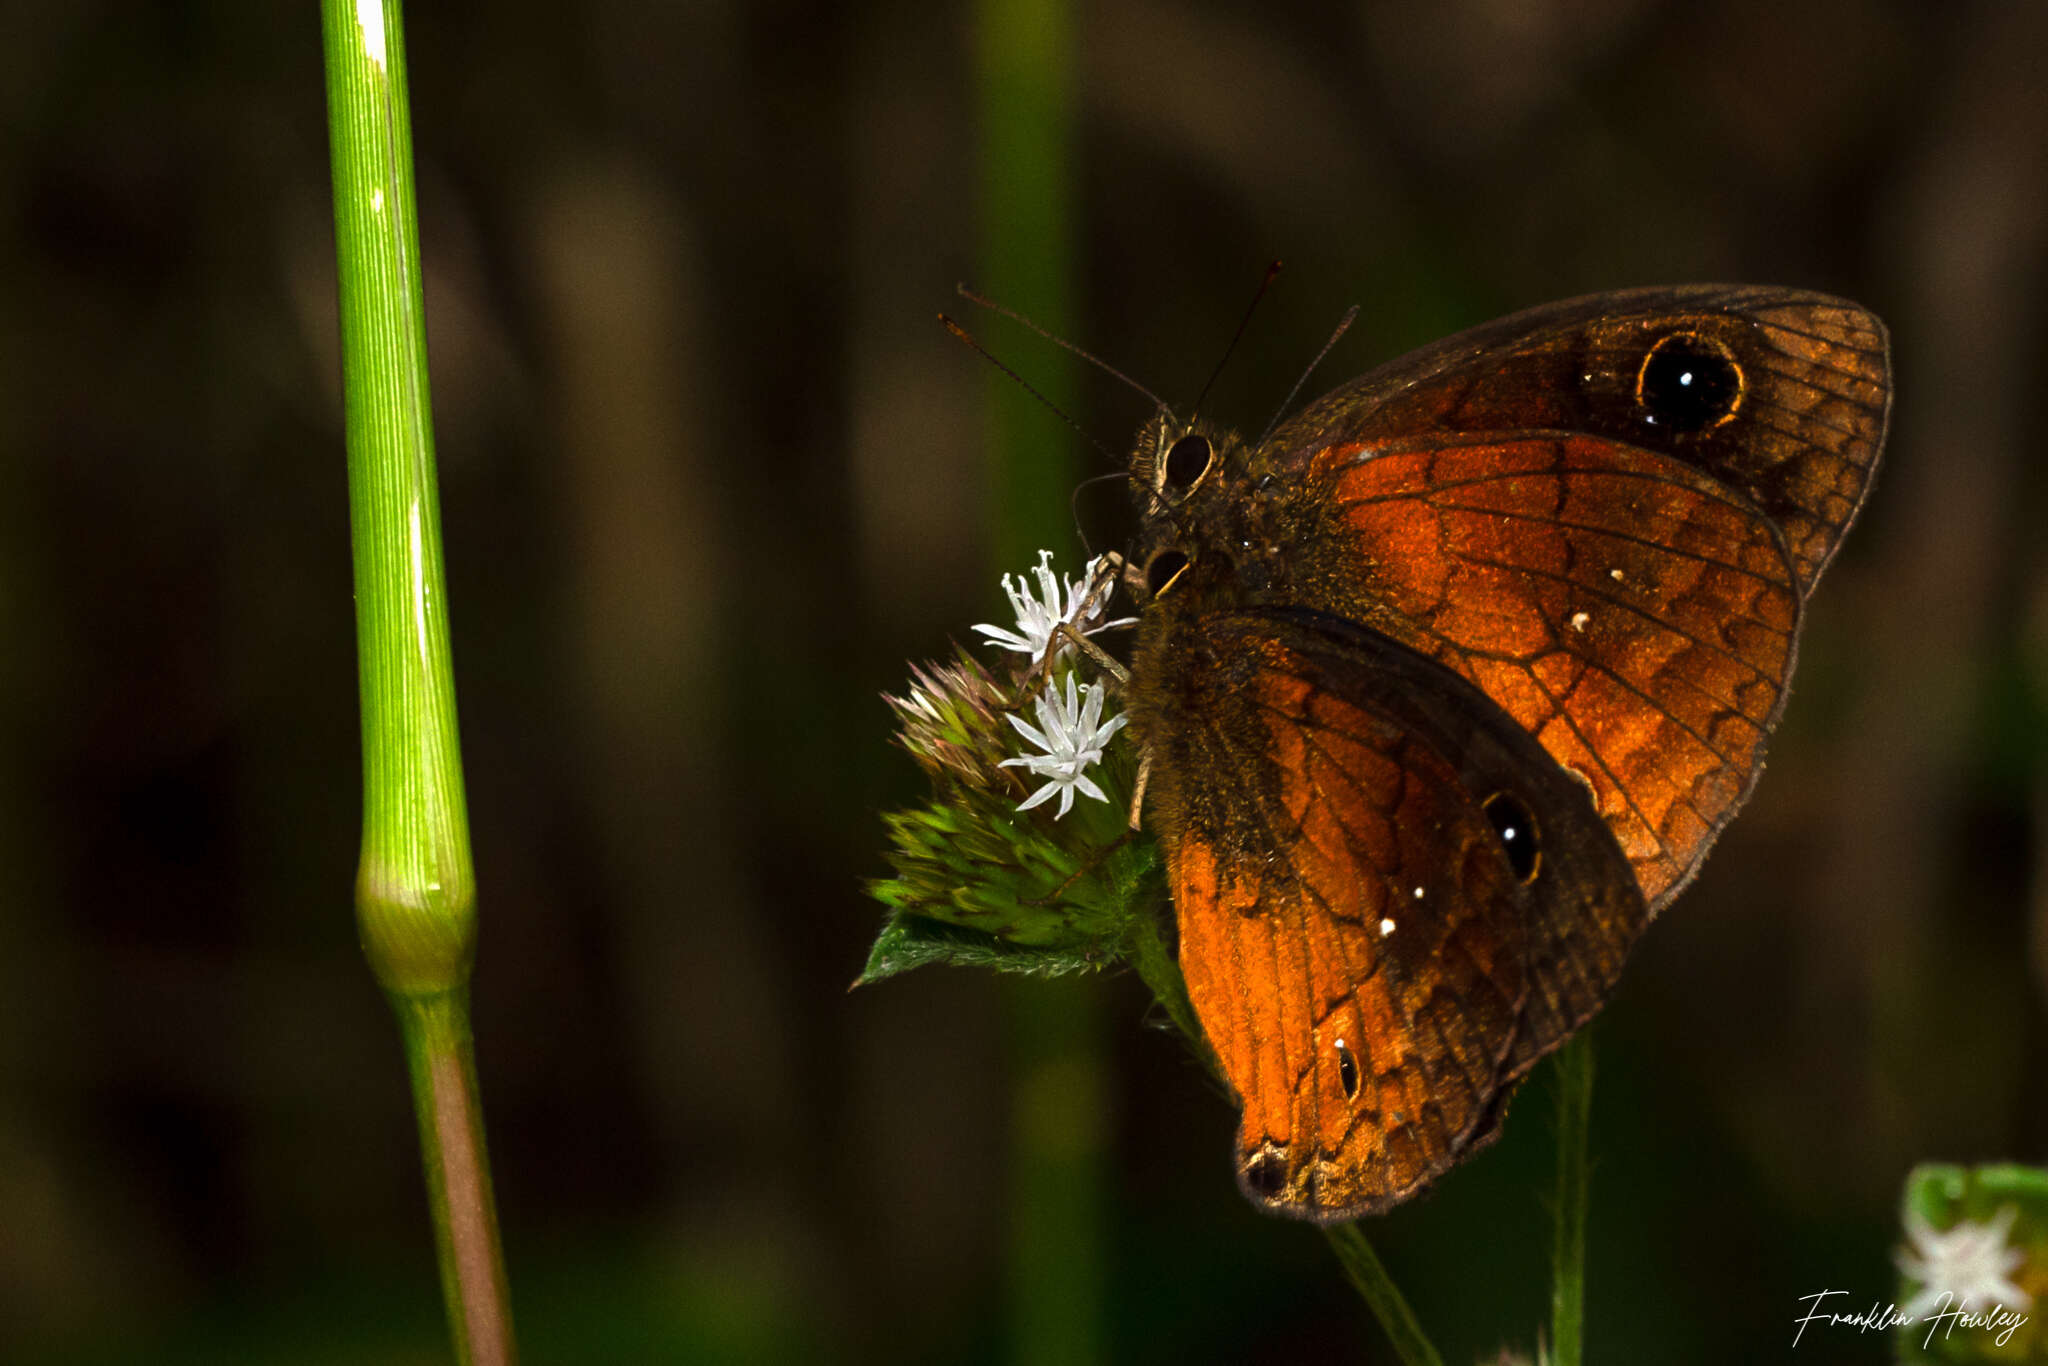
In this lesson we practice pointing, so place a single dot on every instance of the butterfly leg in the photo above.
(1065, 633)
(1102, 583)
(1040, 675)
(1041, 672)
(1138, 788)
(1113, 567)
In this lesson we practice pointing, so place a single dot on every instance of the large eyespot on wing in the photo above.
(1391, 902)
(1638, 617)
(1780, 395)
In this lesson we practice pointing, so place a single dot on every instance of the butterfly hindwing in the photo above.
(1390, 902)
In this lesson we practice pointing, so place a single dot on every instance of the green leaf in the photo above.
(913, 941)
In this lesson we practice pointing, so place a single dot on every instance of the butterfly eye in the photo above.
(1517, 830)
(1162, 569)
(1688, 383)
(1187, 460)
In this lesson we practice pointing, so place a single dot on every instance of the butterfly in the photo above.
(1445, 689)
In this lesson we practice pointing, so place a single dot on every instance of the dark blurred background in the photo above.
(711, 474)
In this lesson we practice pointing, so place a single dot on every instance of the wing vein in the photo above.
(1602, 595)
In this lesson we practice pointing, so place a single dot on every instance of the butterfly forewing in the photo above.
(1631, 614)
(1608, 520)
(1806, 380)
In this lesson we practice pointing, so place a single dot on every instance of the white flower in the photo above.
(1038, 613)
(1970, 1264)
(1073, 735)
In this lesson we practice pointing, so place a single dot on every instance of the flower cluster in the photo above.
(948, 718)
(1070, 732)
(991, 871)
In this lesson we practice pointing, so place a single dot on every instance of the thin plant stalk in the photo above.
(1026, 99)
(1573, 1074)
(1146, 952)
(1024, 83)
(1025, 80)
(1057, 1264)
(1369, 1277)
(415, 886)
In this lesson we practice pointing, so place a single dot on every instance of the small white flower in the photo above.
(1969, 1263)
(1072, 733)
(1039, 613)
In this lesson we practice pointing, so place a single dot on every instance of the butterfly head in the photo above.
(1200, 532)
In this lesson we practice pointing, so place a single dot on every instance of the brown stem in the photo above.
(443, 1065)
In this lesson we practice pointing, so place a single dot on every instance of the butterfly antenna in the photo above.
(1104, 366)
(1343, 326)
(964, 335)
(1272, 271)
(1074, 505)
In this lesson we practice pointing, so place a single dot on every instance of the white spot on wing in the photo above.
(1386, 928)
(1579, 619)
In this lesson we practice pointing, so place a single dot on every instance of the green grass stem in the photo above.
(1146, 951)
(1025, 70)
(1572, 1072)
(1024, 82)
(1369, 1277)
(415, 886)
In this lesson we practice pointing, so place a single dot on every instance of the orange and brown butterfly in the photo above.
(1445, 689)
